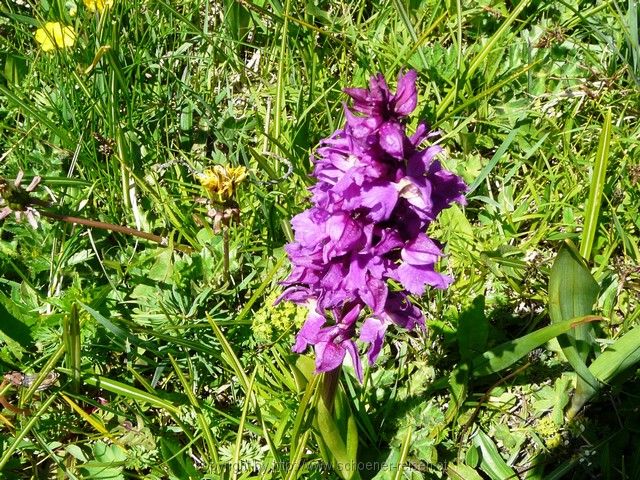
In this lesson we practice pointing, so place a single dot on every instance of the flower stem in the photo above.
(329, 386)
(225, 254)
(114, 228)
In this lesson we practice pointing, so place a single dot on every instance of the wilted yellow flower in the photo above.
(221, 182)
(99, 5)
(55, 35)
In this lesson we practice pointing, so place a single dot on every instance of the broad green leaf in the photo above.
(340, 452)
(458, 386)
(473, 329)
(462, 472)
(572, 288)
(617, 357)
(506, 354)
(15, 68)
(572, 293)
(491, 462)
(15, 324)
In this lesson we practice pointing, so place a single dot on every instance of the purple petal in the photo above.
(419, 135)
(406, 98)
(392, 139)
(380, 93)
(372, 332)
(350, 318)
(414, 278)
(402, 312)
(381, 199)
(421, 251)
(361, 127)
(309, 226)
(296, 294)
(420, 162)
(309, 332)
(447, 187)
(328, 356)
(389, 240)
(374, 293)
(358, 94)
(355, 358)
(345, 233)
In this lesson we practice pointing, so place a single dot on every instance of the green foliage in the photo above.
(170, 367)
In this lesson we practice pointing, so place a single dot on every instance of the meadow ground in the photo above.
(164, 357)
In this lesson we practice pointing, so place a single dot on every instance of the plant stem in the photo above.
(329, 386)
(114, 228)
(225, 254)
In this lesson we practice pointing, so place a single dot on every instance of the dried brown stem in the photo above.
(114, 228)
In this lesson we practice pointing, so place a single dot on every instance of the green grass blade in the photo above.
(201, 419)
(279, 112)
(480, 58)
(48, 366)
(33, 112)
(229, 355)
(119, 332)
(404, 15)
(404, 453)
(617, 357)
(243, 419)
(297, 455)
(33, 420)
(96, 423)
(259, 291)
(596, 189)
(484, 173)
(127, 391)
(71, 340)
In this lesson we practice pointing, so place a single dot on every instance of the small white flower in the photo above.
(12, 198)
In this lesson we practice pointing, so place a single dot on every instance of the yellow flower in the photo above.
(55, 35)
(221, 182)
(99, 5)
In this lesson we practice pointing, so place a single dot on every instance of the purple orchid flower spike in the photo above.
(378, 189)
